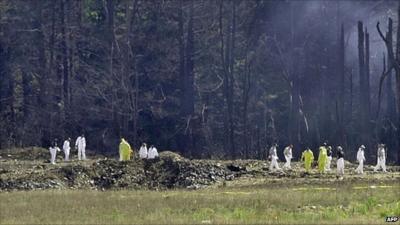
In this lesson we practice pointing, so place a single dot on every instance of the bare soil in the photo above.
(29, 169)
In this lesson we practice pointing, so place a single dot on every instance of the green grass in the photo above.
(249, 205)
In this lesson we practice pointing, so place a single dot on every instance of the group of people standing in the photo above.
(325, 158)
(325, 155)
(126, 152)
(150, 153)
(80, 144)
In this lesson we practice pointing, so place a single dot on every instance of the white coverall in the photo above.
(81, 145)
(288, 156)
(66, 149)
(340, 163)
(328, 160)
(340, 166)
(328, 163)
(143, 152)
(274, 159)
(53, 154)
(153, 153)
(360, 159)
(381, 159)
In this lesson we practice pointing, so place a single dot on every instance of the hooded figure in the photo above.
(143, 151)
(125, 151)
(308, 157)
(273, 156)
(67, 148)
(328, 158)
(53, 152)
(322, 158)
(80, 144)
(288, 156)
(360, 159)
(340, 162)
(381, 158)
(153, 153)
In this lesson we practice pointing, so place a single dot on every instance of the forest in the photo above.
(203, 78)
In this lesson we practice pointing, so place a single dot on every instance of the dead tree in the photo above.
(393, 64)
(227, 59)
(341, 85)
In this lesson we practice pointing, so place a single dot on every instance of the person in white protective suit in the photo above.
(53, 152)
(288, 156)
(273, 156)
(381, 158)
(340, 162)
(153, 153)
(80, 144)
(360, 159)
(143, 151)
(67, 148)
(329, 158)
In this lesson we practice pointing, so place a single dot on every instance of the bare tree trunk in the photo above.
(232, 80)
(65, 68)
(227, 141)
(227, 56)
(363, 57)
(188, 103)
(366, 88)
(45, 74)
(52, 70)
(186, 74)
(73, 28)
(342, 119)
(351, 96)
(361, 66)
(189, 80)
(128, 59)
(258, 143)
(390, 98)
(393, 63)
(181, 42)
(245, 94)
(227, 59)
(109, 7)
(294, 86)
(398, 111)
(398, 82)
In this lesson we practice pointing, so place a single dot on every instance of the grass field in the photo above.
(261, 204)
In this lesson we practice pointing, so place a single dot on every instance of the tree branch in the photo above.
(382, 79)
(380, 33)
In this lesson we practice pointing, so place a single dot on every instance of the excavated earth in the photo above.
(29, 169)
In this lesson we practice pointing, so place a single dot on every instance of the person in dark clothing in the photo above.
(329, 158)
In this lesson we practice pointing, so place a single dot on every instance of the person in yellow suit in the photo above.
(322, 158)
(125, 151)
(308, 157)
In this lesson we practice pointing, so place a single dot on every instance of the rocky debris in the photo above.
(235, 168)
(31, 153)
(169, 171)
(37, 153)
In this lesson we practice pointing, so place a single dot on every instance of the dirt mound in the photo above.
(170, 170)
(31, 153)
(171, 156)
(38, 153)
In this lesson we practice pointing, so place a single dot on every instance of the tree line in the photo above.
(221, 79)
